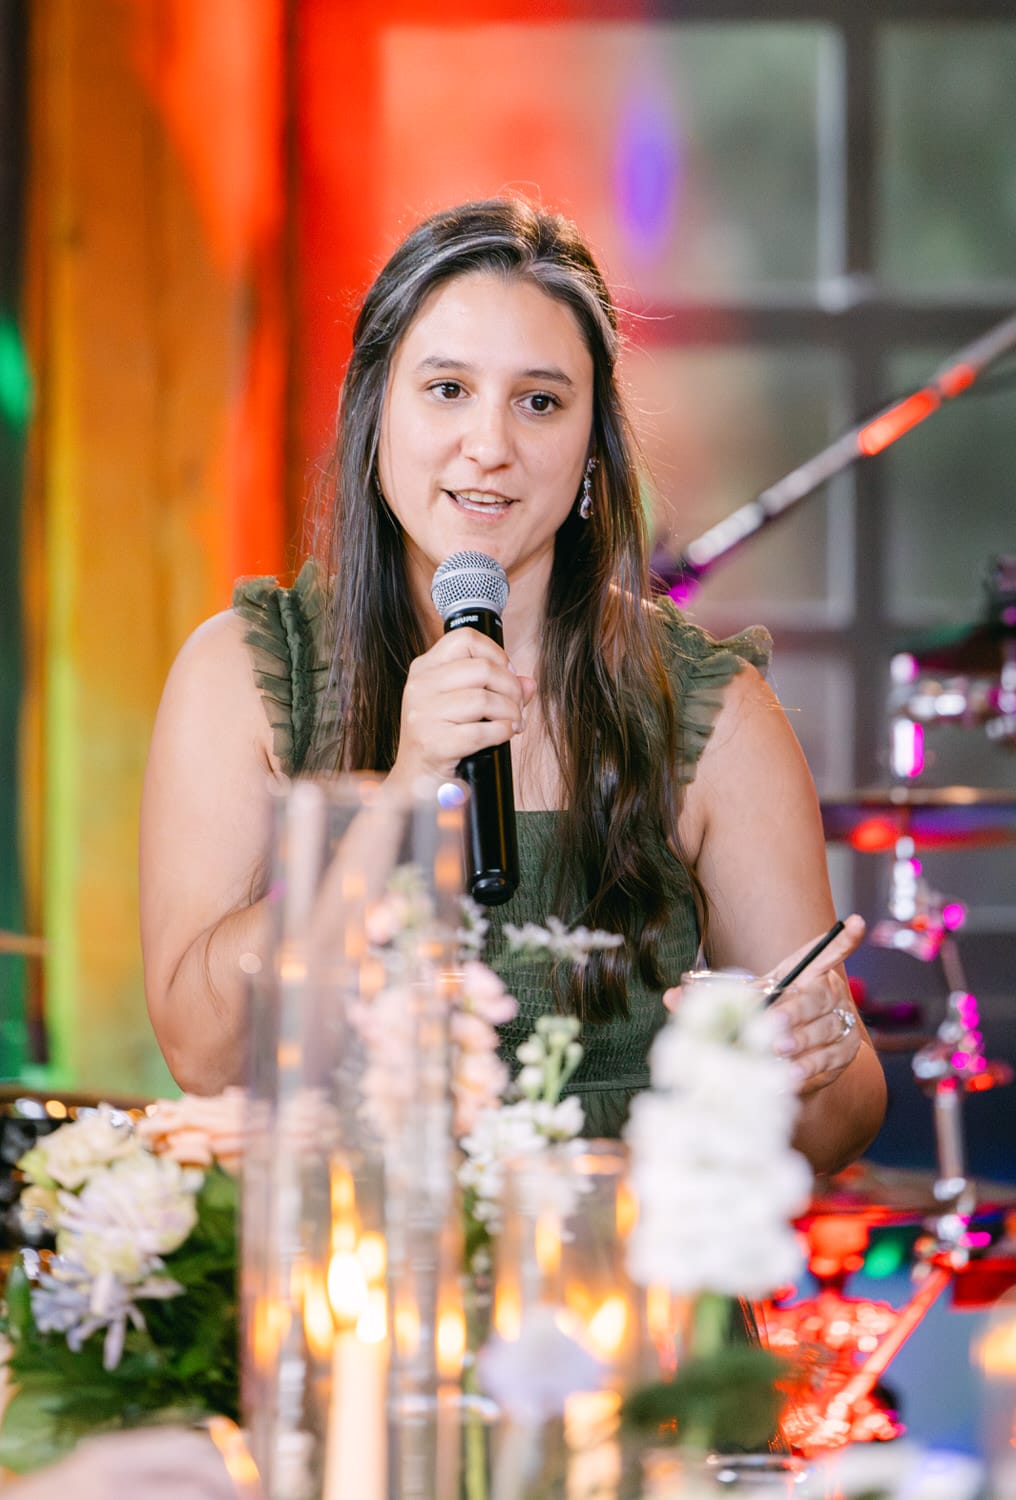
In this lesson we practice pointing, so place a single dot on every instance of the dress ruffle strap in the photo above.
(285, 635)
(701, 668)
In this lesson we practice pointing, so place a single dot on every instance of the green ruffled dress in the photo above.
(291, 665)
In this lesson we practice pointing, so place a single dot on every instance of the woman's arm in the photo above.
(204, 843)
(753, 827)
(205, 825)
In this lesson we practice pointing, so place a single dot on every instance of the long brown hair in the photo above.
(602, 679)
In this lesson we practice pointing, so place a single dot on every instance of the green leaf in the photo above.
(32, 1433)
(727, 1401)
(18, 1297)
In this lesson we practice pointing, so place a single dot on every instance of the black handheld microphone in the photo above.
(470, 588)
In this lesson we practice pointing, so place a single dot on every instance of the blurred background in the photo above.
(803, 207)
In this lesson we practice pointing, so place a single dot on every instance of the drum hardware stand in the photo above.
(965, 677)
(865, 1336)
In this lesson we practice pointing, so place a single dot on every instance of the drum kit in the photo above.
(958, 1231)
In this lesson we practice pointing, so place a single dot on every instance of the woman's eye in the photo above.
(448, 390)
(542, 401)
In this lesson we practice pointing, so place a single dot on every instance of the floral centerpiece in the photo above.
(718, 1184)
(133, 1317)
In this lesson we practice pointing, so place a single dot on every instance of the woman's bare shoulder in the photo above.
(211, 689)
(751, 757)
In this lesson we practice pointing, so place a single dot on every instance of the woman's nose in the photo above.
(487, 435)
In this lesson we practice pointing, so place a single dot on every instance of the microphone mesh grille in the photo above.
(469, 580)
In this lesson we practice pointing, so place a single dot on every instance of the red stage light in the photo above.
(873, 835)
(956, 380)
(892, 424)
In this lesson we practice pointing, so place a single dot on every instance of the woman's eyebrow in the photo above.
(442, 362)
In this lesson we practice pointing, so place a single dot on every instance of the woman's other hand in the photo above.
(822, 1035)
(461, 696)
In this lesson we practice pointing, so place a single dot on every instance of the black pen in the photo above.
(809, 958)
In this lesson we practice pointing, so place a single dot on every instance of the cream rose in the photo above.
(75, 1152)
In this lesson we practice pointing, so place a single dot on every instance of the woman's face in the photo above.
(487, 425)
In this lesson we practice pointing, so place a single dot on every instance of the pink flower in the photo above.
(478, 1081)
(196, 1131)
(472, 1033)
(484, 994)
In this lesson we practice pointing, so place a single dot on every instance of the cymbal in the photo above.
(893, 1195)
(979, 648)
(21, 942)
(976, 650)
(941, 818)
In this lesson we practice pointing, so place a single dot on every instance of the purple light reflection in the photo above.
(649, 175)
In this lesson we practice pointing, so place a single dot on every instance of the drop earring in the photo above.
(586, 503)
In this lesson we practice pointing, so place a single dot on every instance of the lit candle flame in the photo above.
(347, 1287)
(608, 1326)
(372, 1325)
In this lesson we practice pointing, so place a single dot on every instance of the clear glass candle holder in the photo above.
(350, 1254)
(566, 1215)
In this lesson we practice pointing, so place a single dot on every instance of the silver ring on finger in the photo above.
(848, 1021)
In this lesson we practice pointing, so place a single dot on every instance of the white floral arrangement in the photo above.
(718, 1183)
(143, 1213)
(712, 1165)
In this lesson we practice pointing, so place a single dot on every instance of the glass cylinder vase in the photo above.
(569, 1324)
(350, 1257)
(566, 1215)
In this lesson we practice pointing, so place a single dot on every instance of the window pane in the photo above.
(687, 153)
(718, 426)
(947, 184)
(951, 486)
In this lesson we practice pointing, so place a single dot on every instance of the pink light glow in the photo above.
(966, 1006)
(903, 668)
(908, 748)
(953, 914)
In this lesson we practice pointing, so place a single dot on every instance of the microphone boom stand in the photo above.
(681, 578)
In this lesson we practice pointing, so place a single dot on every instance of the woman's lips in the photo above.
(480, 502)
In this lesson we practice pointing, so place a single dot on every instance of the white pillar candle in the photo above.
(357, 1450)
(594, 1455)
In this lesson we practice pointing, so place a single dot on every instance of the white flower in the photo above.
(512, 1130)
(38, 1209)
(555, 941)
(531, 1052)
(68, 1300)
(125, 1218)
(69, 1156)
(499, 1133)
(716, 1179)
(472, 935)
(558, 1031)
(532, 1377)
(561, 1121)
(529, 1081)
